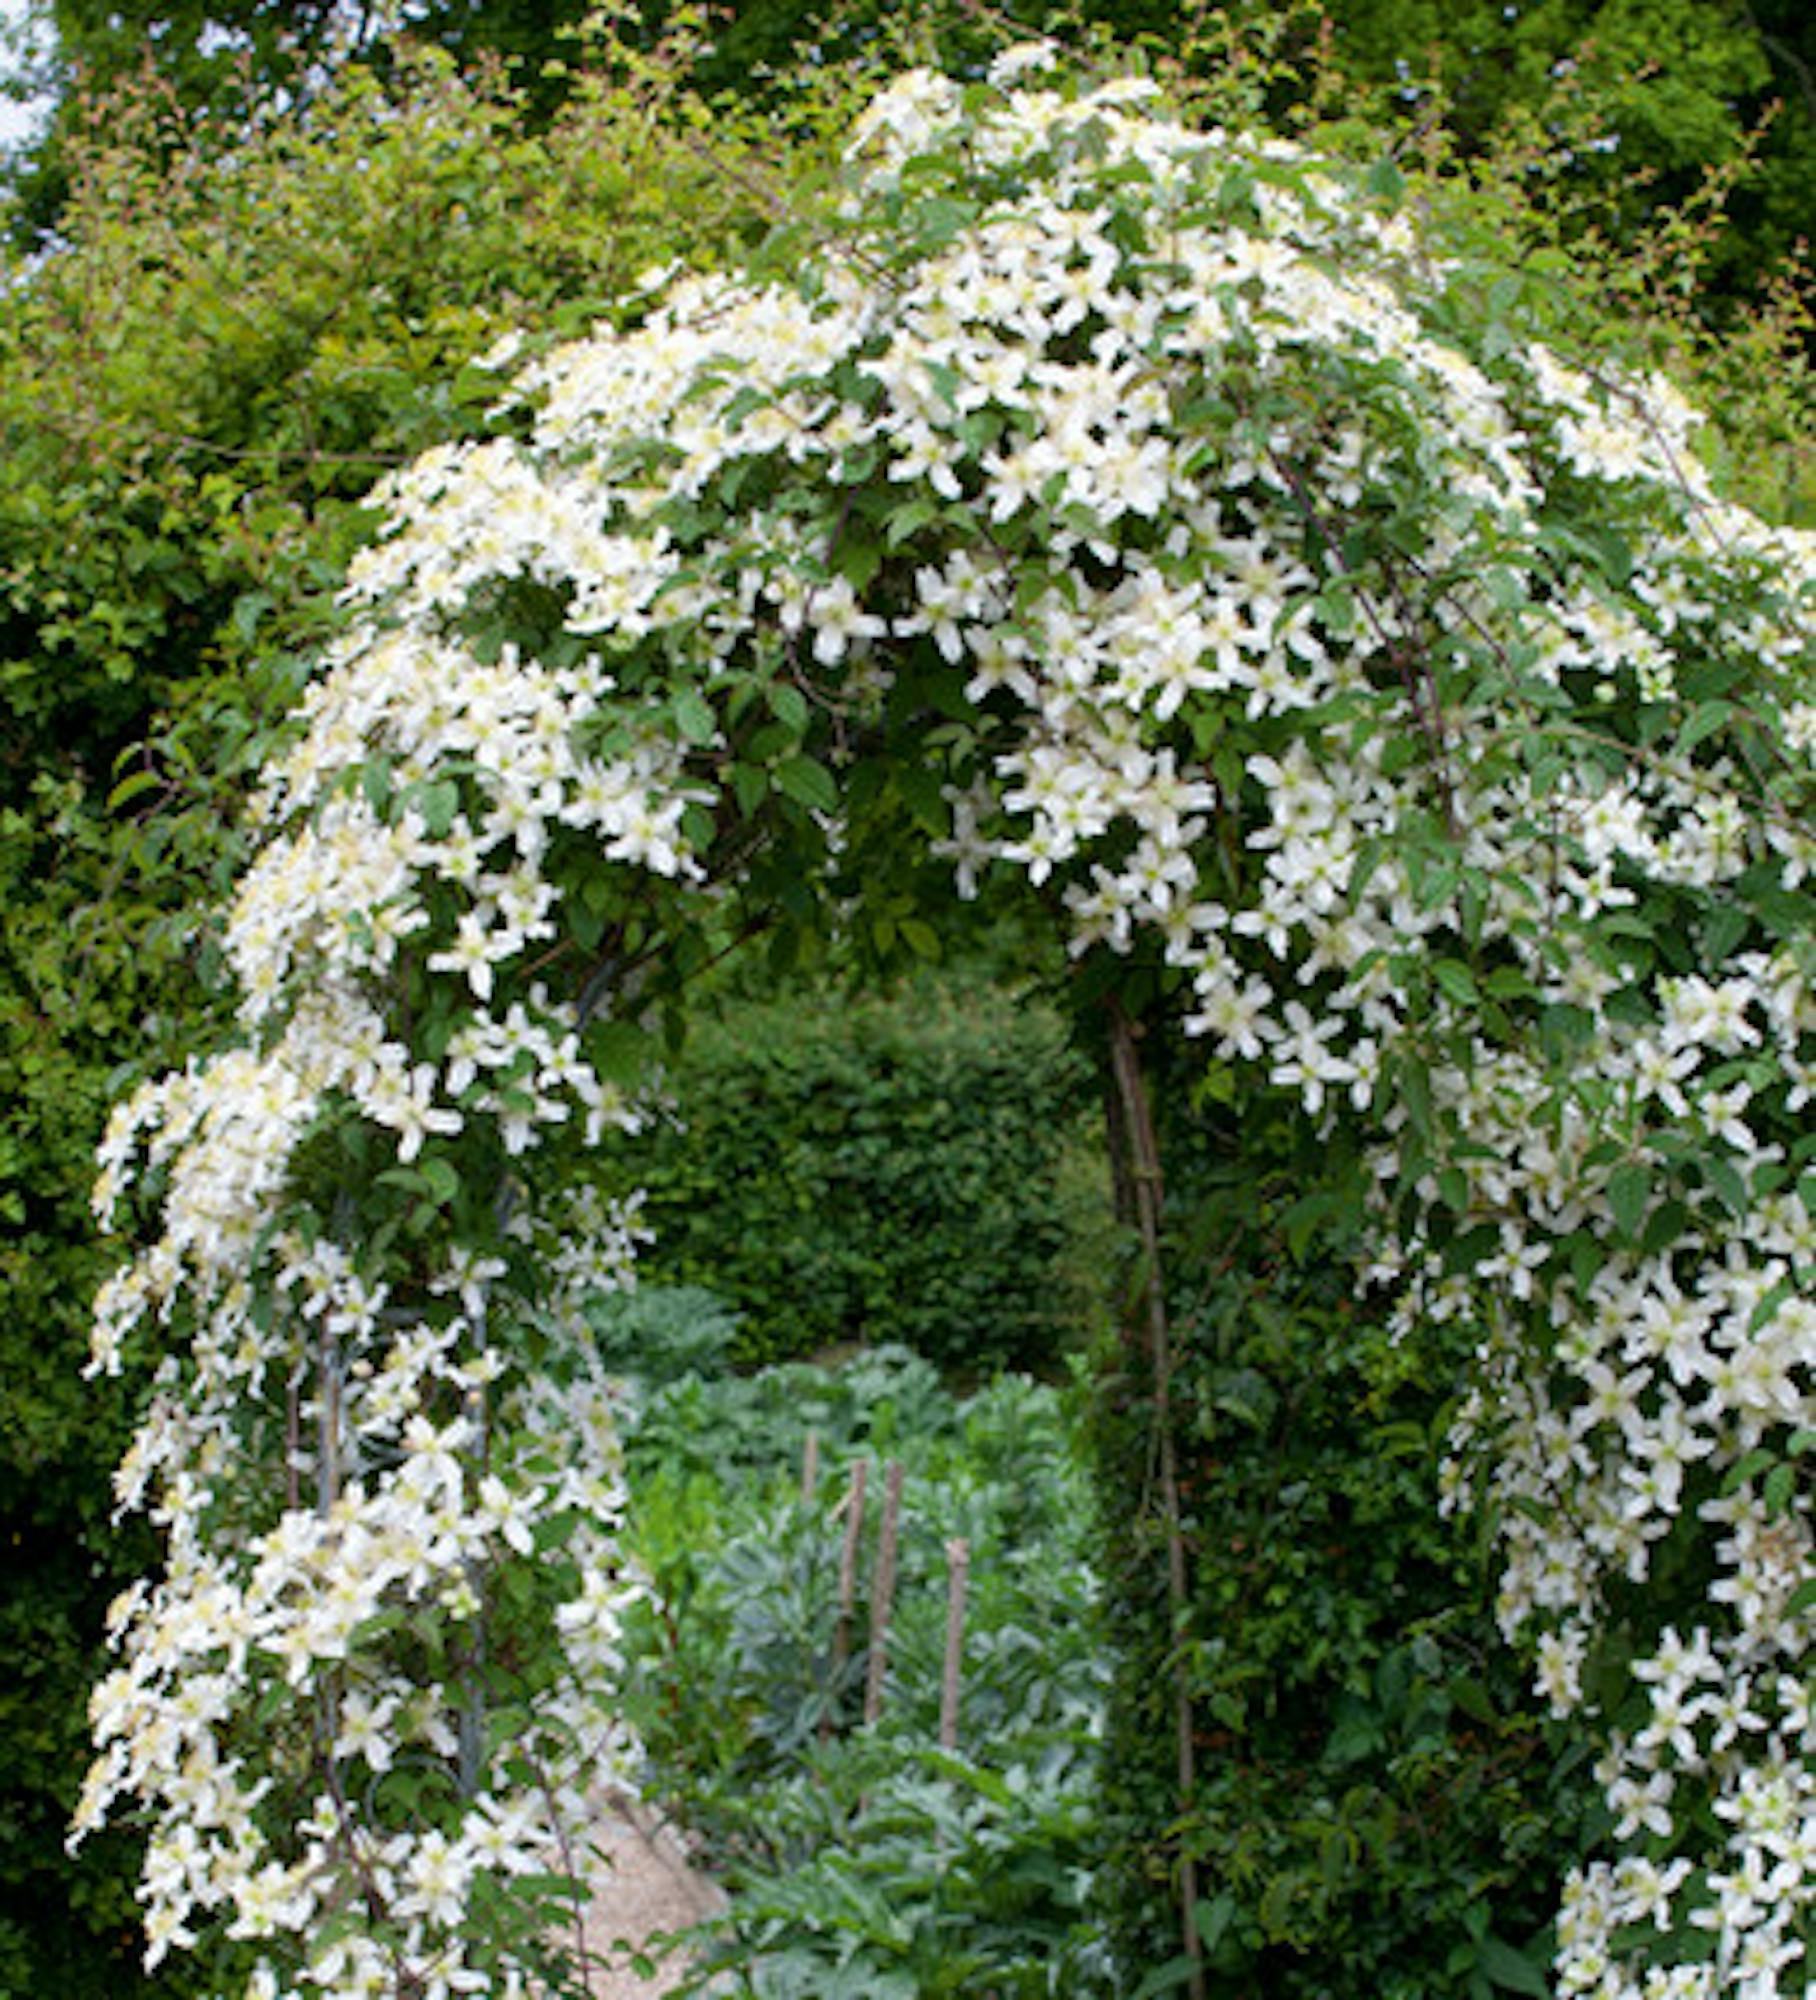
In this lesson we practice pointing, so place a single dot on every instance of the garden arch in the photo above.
(1159, 523)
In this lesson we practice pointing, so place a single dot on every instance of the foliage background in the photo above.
(1632, 100)
(876, 1169)
(864, 1861)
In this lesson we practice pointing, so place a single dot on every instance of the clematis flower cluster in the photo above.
(352, 1468)
(1396, 691)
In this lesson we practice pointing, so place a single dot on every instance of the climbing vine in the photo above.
(1160, 523)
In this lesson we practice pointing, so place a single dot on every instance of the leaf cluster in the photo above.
(1377, 1805)
(864, 1858)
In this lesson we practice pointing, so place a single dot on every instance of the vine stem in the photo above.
(1137, 1158)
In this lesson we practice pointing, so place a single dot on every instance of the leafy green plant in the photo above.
(659, 1334)
(865, 1857)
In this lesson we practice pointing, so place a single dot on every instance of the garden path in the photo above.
(647, 1888)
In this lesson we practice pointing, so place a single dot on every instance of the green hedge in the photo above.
(873, 1169)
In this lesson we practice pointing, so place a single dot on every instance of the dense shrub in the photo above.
(875, 1169)
(1419, 1027)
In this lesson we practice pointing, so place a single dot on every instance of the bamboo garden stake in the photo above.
(958, 1565)
(882, 1592)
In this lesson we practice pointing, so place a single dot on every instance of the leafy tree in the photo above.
(197, 46)
(1631, 102)
(217, 51)
(1634, 101)
(1641, 99)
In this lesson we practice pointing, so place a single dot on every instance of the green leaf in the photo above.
(694, 717)
(1704, 720)
(789, 706)
(585, 924)
(1758, 1460)
(975, 1777)
(1386, 181)
(1508, 982)
(1474, 1700)
(1629, 1190)
(808, 783)
(1434, 884)
(858, 561)
(1277, 1907)
(906, 522)
(130, 788)
(437, 802)
(1512, 1970)
(1213, 1919)
(926, 803)
(1726, 1182)
(1664, 1226)
(750, 786)
(921, 938)
(1723, 928)
(1457, 980)
(1415, 1092)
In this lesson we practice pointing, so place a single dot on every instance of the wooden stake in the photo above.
(882, 1591)
(958, 1564)
(853, 1504)
(328, 1424)
(810, 1467)
(293, 1440)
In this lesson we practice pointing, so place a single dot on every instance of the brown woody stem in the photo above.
(1136, 1158)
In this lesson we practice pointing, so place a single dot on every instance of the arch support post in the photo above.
(1135, 1163)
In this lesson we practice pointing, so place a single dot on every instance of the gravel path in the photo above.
(648, 1889)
